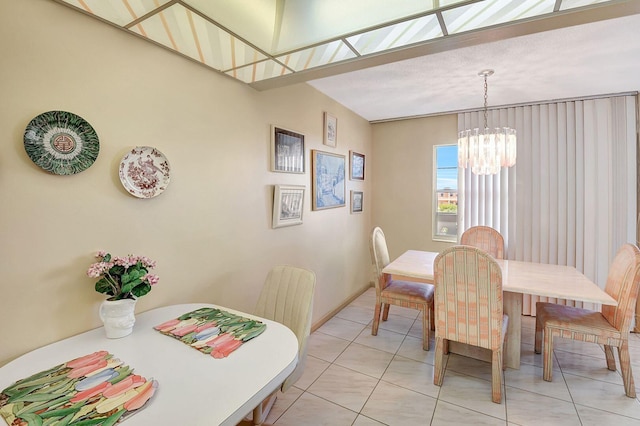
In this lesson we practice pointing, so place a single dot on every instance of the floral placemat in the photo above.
(95, 389)
(212, 330)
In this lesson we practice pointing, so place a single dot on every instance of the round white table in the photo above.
(193, 388)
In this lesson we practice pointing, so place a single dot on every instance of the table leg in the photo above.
(512, 305)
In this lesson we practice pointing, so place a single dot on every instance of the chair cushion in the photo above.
(576, 321)
(409, 291)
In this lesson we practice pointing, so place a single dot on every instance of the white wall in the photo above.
(210, 231)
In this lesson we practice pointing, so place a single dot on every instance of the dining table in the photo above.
(518, 278)
(194, 388)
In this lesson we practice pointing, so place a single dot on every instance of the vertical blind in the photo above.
(571, 197)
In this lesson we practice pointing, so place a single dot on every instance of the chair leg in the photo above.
(376, 319)
(426, 326)
(505, 342)
(625, 369)
(385, 312)
(496, 376)
(432, 316)
(438, 370)
(538, 338)
(611, 360)
(547, 357)
(261, 412)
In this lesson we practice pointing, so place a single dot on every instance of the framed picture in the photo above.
(357, 166)
(287, 150)
(356, 201)
(327, 180)
(330, 130)
(288, 203)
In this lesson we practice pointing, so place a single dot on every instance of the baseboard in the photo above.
(331, 314)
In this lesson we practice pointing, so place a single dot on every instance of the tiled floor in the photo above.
(354, 378)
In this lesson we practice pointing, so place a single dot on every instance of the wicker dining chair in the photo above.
(389, 292)
(286, 297)
(485, 238)
(609, 327)
(469, 309)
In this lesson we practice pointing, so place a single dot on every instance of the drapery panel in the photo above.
(571, 197)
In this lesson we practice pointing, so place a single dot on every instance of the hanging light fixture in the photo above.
(486, 150)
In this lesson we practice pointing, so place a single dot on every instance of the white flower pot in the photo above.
(118, 317)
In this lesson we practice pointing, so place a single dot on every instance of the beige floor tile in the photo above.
(360, 314)
(404, 312)
(397, 323)
(472, 393)
(452, 415)
(577, 347)
(394, 405)
(529, 378)
(527, 408)
(313, 368)
(344, 387)
(412, 348)
(469, 366)
(325, 346)
(416, 329)
(310, 410)
(366, 421)
(593, 417)
(412, 375)
(342, 328)
(364, 359)
(356, 379)
(283, 402)
(587, 366)
(602, 395)
(385, 340)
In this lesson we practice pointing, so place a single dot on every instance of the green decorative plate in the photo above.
(61, 143)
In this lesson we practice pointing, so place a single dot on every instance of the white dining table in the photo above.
(193, 388)
(518, 278)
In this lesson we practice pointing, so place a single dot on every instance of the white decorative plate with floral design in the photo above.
(144, 172)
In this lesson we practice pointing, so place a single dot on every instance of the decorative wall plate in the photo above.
(144, 172)
(61, 142)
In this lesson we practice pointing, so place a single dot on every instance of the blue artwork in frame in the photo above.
(328, 180)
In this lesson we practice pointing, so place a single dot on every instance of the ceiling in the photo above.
(417, 58)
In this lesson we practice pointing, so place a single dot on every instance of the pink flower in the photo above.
(98, 269)
(151, 278)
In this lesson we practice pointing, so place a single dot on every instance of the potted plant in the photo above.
(124, 280)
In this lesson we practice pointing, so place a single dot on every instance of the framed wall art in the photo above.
(330, 130)
(356, 201)
(356, 172)
(327, 180)
(288, 204)
(287, 150)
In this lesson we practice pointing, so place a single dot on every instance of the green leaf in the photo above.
(141, 289)
(102, 286)
(133, 274)
(107, 258)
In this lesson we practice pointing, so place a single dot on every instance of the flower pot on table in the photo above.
(118, 317)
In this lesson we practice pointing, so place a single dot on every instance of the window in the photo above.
(445, 215)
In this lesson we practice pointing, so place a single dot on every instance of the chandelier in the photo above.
(486, 150)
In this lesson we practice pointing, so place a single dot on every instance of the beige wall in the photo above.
(210, 231)
(403, 176)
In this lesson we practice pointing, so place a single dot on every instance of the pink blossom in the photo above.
(151, 278)
(98, 269)
(101, 254)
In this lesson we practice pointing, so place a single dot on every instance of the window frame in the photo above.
(434, 211)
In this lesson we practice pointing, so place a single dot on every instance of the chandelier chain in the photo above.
(485, 101)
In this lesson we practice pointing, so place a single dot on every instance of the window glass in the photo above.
(445, 223)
